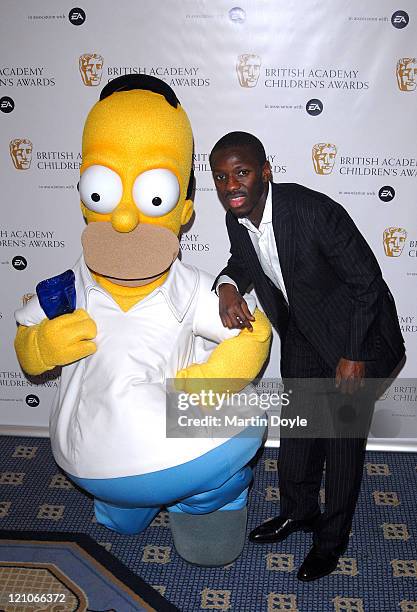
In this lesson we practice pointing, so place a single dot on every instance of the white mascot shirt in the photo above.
(108, 417)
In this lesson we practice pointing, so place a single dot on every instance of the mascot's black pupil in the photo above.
(156, 201)
(95, 197)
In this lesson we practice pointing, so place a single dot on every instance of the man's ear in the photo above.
(266, 172)
(187, 211)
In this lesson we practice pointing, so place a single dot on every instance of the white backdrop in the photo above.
(297, 74)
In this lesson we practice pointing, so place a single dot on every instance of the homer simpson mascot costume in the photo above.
(125, 319)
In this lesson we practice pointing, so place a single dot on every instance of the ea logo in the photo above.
(386, 193)
(6, 104)
(76, 16)
(400, 19)
(32, 400)
(237, 14)
(19, 262)
(314, 107)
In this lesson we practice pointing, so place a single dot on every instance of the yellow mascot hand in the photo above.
(234, 362)
(55, 342)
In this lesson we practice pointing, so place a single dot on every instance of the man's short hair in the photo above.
(233, 140)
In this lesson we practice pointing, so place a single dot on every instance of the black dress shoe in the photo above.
(279, 528)
(316, 565)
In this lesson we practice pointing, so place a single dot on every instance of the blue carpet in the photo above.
(378, 572)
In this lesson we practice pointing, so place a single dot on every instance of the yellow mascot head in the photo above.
(136, 180)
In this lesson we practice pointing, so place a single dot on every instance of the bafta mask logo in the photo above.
(21, 153)
(394, 241)
(324, 155)
(407, 73)
(91, 67)
(248, 69)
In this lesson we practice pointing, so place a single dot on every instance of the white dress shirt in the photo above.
(263, 240)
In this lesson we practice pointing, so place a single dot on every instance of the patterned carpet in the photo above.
(68, 572)
(378, 572)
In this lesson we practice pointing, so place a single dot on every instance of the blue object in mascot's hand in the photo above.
(57, 294)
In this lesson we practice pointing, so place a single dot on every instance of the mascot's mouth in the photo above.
(132, 258)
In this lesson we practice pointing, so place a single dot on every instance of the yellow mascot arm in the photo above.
(236, 361)
(55, 342)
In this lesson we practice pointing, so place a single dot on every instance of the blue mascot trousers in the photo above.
(218, 480)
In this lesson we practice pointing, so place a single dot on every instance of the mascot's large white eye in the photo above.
(156, 192)
(101, 189)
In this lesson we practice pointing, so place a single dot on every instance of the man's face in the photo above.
(239, 179)
(407, 74)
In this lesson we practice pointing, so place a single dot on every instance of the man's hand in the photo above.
(233, 309)
(349, 375)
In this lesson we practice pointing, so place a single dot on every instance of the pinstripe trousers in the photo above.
(301, 460)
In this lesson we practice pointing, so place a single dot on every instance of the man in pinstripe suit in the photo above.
(321, 286)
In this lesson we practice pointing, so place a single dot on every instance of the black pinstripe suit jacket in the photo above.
(338, 298)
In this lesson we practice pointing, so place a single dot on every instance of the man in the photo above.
(321, 287)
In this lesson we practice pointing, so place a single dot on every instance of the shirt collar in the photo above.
(266, 217)
(178, 290)
(86, 276)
